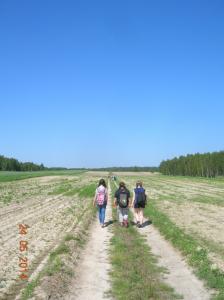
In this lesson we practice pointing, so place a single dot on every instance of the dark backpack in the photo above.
(140, 196)
(123, 199)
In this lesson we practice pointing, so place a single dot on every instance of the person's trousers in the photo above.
(122, 213)
(102, 211)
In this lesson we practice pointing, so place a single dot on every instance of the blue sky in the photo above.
(110, 83)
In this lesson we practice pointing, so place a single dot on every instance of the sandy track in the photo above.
(92, 281)
(179, 275)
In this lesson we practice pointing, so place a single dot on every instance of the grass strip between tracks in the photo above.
(135, 273)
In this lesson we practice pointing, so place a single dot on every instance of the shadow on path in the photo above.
(146, 223)
(110, 222)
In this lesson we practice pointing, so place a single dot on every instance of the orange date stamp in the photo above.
(23, 248)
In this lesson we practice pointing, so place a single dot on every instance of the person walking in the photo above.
(122, 200)
(139, 202)
(100, 199)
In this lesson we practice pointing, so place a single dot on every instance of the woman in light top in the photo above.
(100, 199)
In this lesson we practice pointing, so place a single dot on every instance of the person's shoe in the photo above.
(126, 223)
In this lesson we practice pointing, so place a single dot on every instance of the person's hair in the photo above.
(102, 182)
(139, 183)
(122, 184)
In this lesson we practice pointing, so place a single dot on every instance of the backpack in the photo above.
(101, 196)
(123, 199)
(140, 196)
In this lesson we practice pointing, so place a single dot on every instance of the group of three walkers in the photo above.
(122, 200)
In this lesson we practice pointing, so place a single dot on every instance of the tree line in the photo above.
(203, 165)
(127, 169)
(12, 164)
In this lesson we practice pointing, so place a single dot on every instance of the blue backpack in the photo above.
(140, 196)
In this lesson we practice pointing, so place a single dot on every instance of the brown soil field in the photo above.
(41, 204)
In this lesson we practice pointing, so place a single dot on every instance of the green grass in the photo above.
(195, 254)
(28, 291)
(87, 191)
(6, 199)
(208, 200)
(61, 189)
(62, 249)
(212, 246)
(54, 266)
(219, 179)
(69, 237)
(181, 198)
(135, 273)
(6, 176)
(71, 192)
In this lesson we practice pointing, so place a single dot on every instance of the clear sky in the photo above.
(110, 83)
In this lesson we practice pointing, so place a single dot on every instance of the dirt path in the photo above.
(92, 281)
(179, 275)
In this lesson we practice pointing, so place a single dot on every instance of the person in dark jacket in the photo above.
(122, 201)
(138, 203)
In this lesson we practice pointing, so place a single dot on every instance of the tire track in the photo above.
(92, 281)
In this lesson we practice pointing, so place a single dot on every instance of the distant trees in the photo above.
(127, 169)
(12, 164)
(204, 165)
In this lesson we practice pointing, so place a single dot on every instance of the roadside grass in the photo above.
(55, 265)
(196, 255)
(6, 176)
(135, 273)
(28, 291)
(69, 237)
(63, 248)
